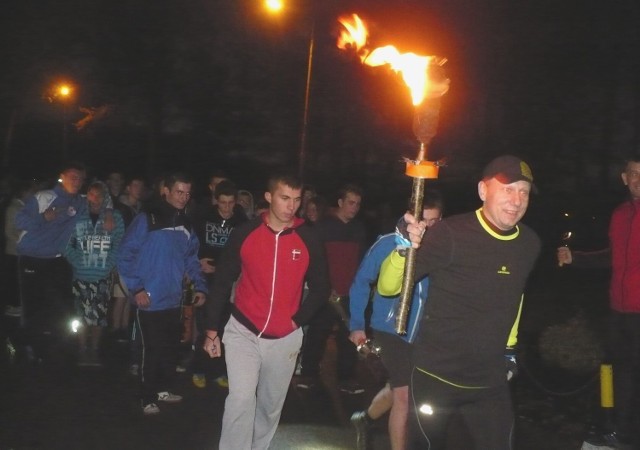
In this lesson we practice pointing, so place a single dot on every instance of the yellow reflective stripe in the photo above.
(449, 382)
(489, 230)
(513, 335)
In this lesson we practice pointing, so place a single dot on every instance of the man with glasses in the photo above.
(160, 250)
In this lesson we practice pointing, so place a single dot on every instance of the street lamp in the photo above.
(305, 116)
(63, 92)
(274, 7)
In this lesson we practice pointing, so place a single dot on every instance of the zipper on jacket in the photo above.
(623, 299)
(273, 283)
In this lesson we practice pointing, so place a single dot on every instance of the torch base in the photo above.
(422, 169)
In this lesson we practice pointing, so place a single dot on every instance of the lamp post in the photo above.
(302, 153)
(63, 92)
(275, 7)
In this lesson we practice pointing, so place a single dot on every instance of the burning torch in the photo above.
(427, 82)
(425, 125)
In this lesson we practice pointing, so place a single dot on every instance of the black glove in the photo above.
(510, 362)
(402, 237)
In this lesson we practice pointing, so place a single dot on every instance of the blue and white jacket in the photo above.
(47, 239)
(383, 317)
(159, 248)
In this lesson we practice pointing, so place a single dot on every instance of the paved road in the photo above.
(56, 405)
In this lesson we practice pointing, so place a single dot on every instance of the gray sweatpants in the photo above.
(259, 372)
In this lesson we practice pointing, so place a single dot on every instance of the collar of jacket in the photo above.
(166, 216)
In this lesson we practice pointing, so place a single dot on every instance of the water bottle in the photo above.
(369, 347)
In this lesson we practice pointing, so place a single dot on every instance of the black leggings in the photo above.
(487, 413)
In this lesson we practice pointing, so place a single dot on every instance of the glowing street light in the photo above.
(64, 90)
(274, 6)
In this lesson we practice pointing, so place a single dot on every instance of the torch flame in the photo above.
(413, 68)
(354, 35)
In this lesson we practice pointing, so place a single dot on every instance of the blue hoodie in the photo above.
(383, 317)
(92, 250)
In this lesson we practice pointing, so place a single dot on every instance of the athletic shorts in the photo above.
(118, 290)
(396, 357)
(92, 300)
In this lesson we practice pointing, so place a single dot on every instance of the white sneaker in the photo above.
(150, 409)
(13, 311)
(134, 370)
(168, 397)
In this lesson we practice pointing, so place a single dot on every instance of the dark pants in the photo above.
(487, 413)
(9, 326)
(10, 282)
(136, 343)
(160, 337)
(202, 363)
(624, 353)
(45, 290)
(315, 341)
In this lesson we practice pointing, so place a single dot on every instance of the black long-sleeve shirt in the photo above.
(476, 280)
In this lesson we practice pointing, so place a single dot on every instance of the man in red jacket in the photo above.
(624, 295)
(343, 236)
(270, 256)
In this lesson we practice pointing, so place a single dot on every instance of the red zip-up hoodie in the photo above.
(623, 256)
(624, 238)
(271, 268)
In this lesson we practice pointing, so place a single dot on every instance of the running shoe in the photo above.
(199, 380)
(222, 381)
(168, 397)
(361, 424)
(150, 409)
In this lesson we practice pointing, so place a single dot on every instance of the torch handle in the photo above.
(406, 294)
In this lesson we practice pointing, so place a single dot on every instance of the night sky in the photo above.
(219, 84)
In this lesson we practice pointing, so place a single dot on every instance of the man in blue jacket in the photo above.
(395, 352)
(46, 223)
(160, 250)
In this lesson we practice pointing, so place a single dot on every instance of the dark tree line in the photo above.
(218, 83)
